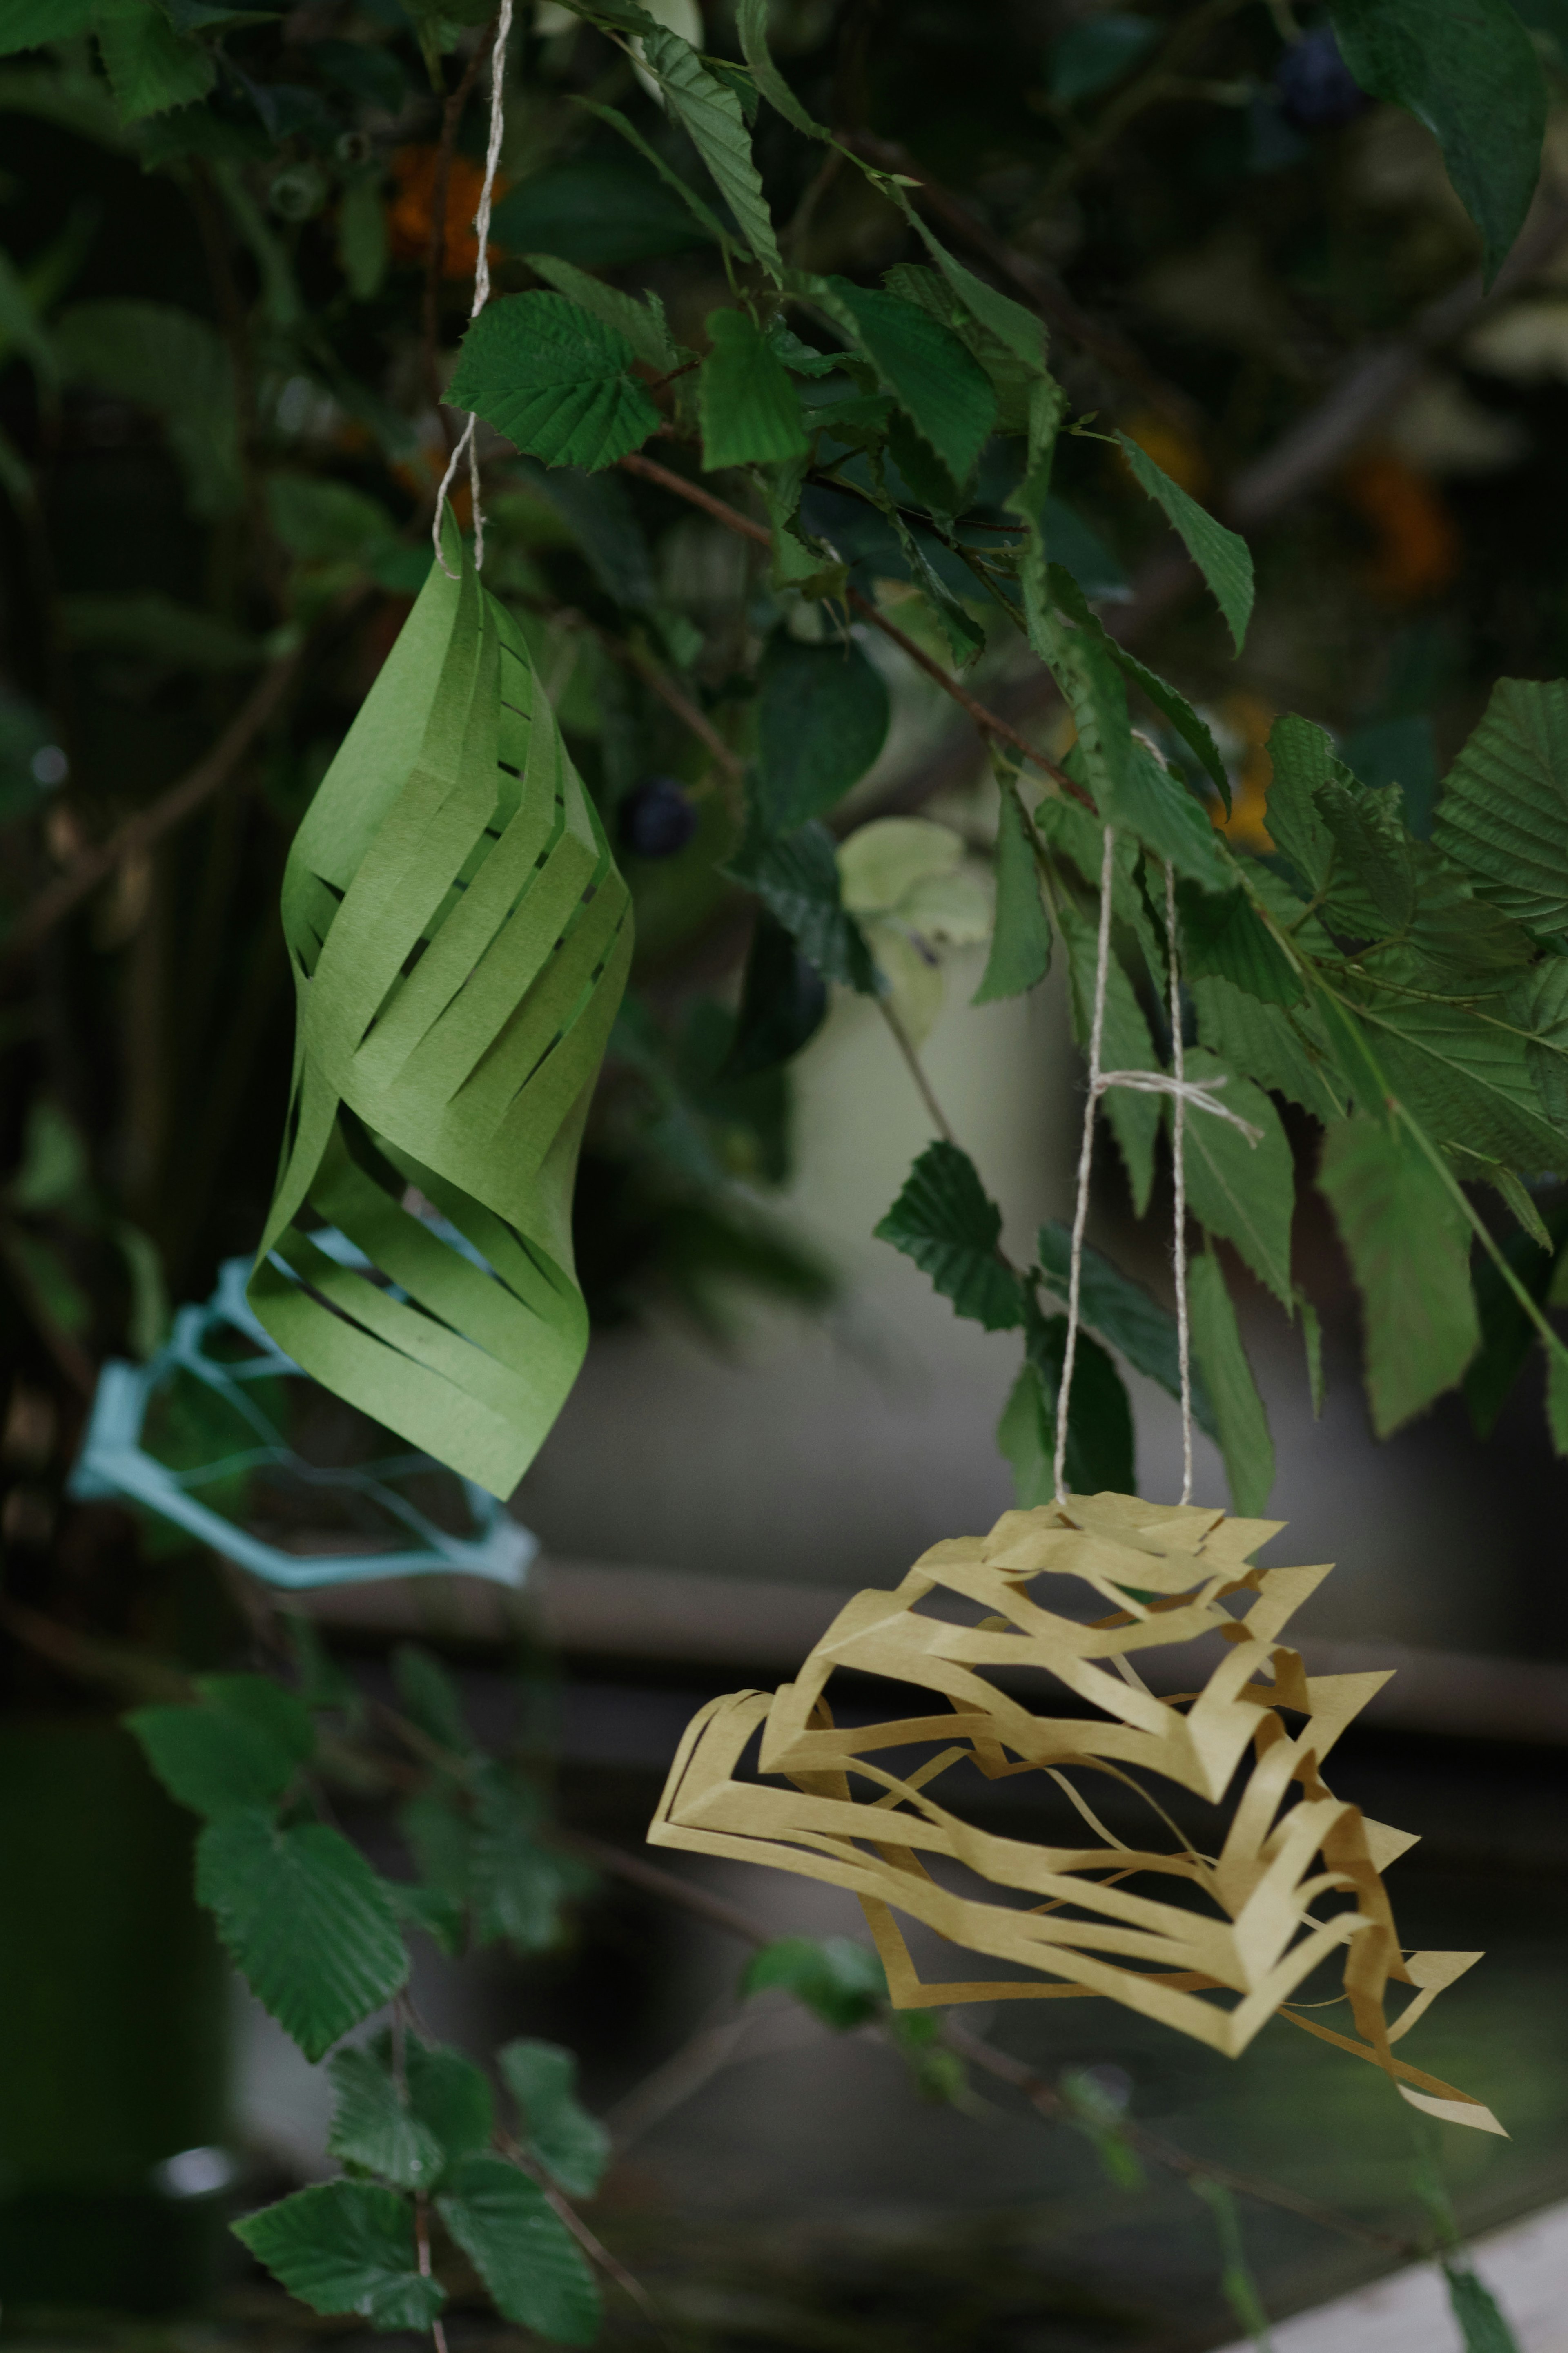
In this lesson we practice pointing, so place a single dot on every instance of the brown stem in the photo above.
(906, 1047)
(435, 252)
(989, 723)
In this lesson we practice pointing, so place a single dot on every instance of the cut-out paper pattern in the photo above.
(1068, 1595)
(201, 1435)
(459, 937)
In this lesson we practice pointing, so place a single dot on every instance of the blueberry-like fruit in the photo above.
(1316, 89)
(658, 818)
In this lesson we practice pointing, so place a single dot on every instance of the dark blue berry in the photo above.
(1316, 89)
(658, 818)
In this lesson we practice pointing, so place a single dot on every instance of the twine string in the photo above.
(467, 444)
(1201, 1095)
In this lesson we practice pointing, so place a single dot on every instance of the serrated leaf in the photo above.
(553, 380)
(749, 409)
(346, 2246)
(1126, 1046)
(1101, 1443)
(151, 67)
(936, 381)
(1285, 1052)
(795, 876)
(1540, 1007)
(372, 2126)
(712, 113)
(450, 2098)
(1166, 698)
(442, 1918)
(522, 2250)
(1244, 1435)
(1503, 810)
(1409, 1249)
(1223, 935)
(241, 1748)
(1124, 1315)
(752, 24)
(1471, 72)
(1301, 757)
(28, 24)
(572, 2146)
(1020, 953)
(1243, 1192)
(1018, 329)
(783, 1002)
(822, 720)
(1465, 1074)
(305, 1920)
(429, 1698)
(516, 1884)
(640, 320)
(944, 1219)
(842, 1983)
(1222, 555)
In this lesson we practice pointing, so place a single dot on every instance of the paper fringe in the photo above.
(1254, 1926)
(459, 937)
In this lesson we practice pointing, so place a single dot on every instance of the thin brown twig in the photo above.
(435, 252)
(906, 1046)
(592, 2245)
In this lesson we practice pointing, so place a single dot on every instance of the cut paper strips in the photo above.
(1068, 1597)
(459, 937)
(199, 1435)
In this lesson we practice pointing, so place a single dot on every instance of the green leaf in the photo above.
(149, 66)
(640, 320)
(1285, 1052)
(572, 2146)
(178, 366)
(1243, 1192)
(1503, 812)
(941, 388)
(712, 113)
(1222, 935)
(1127, 1045)
(1471, 72)
(1019, 330)
(553, 380)
(346, 2246)
(1483, 2324)
(1244, 1438)
(523, 2251)
(1124, 1313)
(1024, 1439)
(1194, 731)
(1021, 942)
(372, 2124)
(749, 409)
(1221, 555)
(450, 2098)
(946, 1222)
(1507, 1332)
(1301, 757)
(516, 1886)
(795, 876)
(752, 22)
(783, 1002)
(1540, 1007)
(822, 720)
(243, 1747)
(430, 1698)
(1100, 1447)
(363, 250)
(28, 24)
(306, 1921)
(1409, 1249)
(1465, 1074)
(323, 1683)
(841, 1982)
(603, 212)
(441, 1916)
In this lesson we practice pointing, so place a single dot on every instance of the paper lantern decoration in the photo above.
(200, 1435)
(459, 937)
(1071, 1595)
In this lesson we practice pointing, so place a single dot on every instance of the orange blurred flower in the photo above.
(1245, 716)
(408, 215)
(1415, 543)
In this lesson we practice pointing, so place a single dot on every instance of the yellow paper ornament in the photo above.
(1075, 1590)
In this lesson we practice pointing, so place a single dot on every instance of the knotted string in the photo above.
(467, 444)
(1184, 1091)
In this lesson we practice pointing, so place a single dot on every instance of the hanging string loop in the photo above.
(467, 444)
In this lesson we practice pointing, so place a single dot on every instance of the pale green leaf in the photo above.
(573, 2145)
(1409, 1248)
(306, 1921)
(1243, 1192)
(1244, 1436)
(1471, 72)
(346, 2246)
(640, 319)
(749, 409)
(523, 2251)
(1503, 810)
(1222, 555)
(945, 1221)
(712, 113)
(554, 381)
(1021, 942)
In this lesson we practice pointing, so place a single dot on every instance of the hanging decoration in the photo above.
(1079, 1590)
